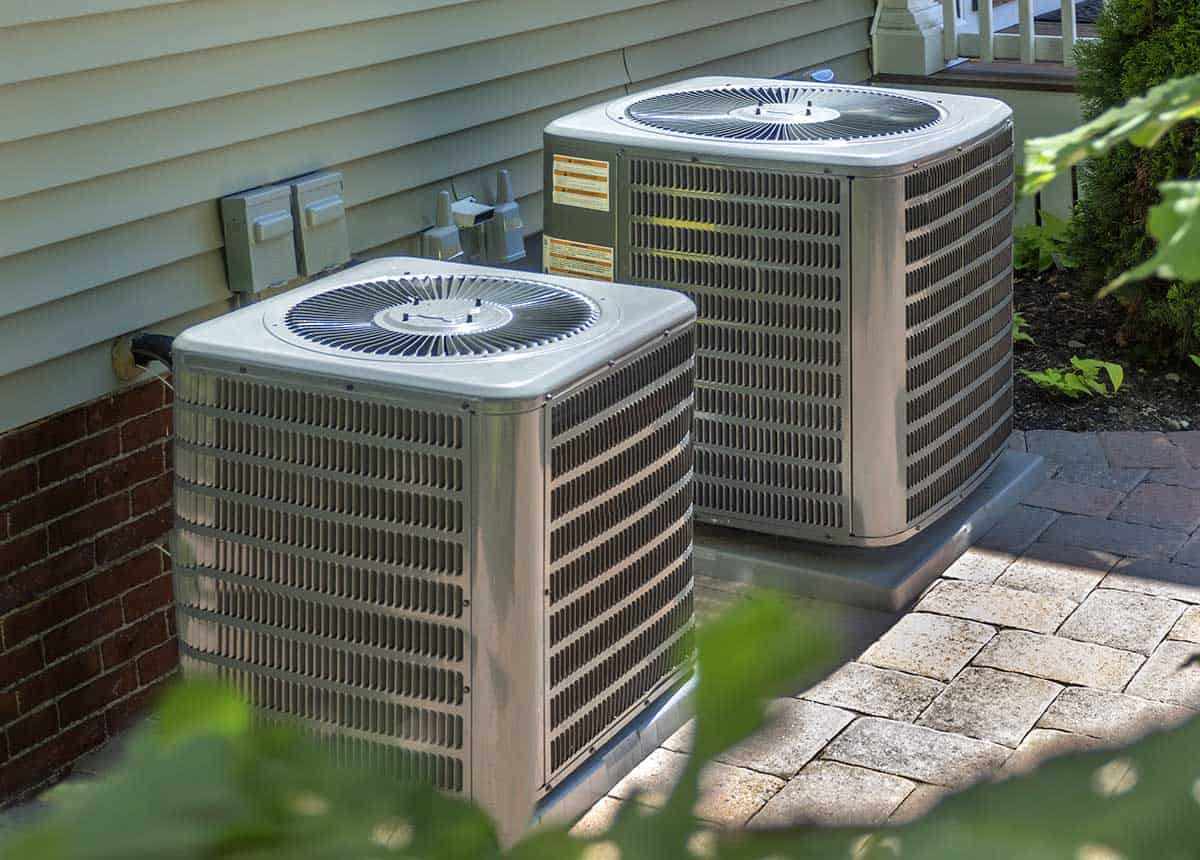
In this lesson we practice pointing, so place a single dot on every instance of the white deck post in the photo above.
(950, 29)
(1025, 13)
(1068, 32)
(909, 37)
(987, 32)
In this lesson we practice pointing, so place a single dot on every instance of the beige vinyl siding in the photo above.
(124, 121)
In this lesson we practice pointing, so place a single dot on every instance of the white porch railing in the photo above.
(1026, 45)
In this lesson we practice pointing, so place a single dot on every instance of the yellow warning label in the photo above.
(577, 259)
(580, 182)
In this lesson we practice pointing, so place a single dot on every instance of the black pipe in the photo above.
(148, 347)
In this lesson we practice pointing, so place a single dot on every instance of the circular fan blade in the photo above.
(441, 316)
(784, 113)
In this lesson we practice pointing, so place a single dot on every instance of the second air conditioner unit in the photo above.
(849, 250)
(442, 516)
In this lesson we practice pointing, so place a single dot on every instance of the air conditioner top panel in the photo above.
(860, 129)
(469, 332)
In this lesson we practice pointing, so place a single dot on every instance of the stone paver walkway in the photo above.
(1065, 628)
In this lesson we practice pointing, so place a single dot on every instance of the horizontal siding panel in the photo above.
(178, 28)
(15, 12)
(695, 47)
(47, 161)
(779, 60)
(65, 268)
(444, 52)
(73, 210)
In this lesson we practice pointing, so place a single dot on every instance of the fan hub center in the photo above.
(448, 316)
(786, 113)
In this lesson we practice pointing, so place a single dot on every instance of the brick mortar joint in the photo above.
(128, 491)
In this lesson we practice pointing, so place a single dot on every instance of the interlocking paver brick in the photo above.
(598, 819)
(1162, 505)
(1067, 571)
(1122, 619)
(1190, 553)
(875, 691)
(1187, 441)
(1016, 441)
(683, 738)
(919, 803)
(1182, 476)
(1106, 477)
(1134, 449)
(829, 794)
(1059, 659)
(1188, 627)
(1158, 578)
(929, 645)
(1108, 715)
(916, 752)
(1121, 538)
(1073, 498)
(796, 731)
(1016, 530)
(979, 565)
(728, 795)
(990, 705)
(1061, 446)
(1042, 744)
(1172, 674)
(994, 604)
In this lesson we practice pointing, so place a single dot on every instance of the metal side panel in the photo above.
(507, 599)
(764, 252)
(579, 208)
(322, 561)
(877, 359)
(619, 588)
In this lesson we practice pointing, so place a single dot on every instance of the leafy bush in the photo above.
(1141, 43)
(204, 782)
(1040, 246)
(1082, 377)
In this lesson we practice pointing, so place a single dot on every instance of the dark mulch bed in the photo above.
(1058, 311)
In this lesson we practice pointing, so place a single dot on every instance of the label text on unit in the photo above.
(577, 259)
(580, 182)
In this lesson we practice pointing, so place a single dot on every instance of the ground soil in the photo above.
(1059, 310)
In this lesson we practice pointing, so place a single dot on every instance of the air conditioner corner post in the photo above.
(508, 542)
(877, 356)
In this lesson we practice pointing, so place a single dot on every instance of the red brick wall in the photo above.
(87, 633)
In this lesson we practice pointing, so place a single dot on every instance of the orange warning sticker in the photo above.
(577, 259)
(580, 182)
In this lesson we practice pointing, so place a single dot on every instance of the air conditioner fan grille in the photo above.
(784, 113)
(441, 316)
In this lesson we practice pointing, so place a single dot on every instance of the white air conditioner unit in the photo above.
(849, 250)
(442, 516)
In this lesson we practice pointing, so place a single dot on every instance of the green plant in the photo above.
(1041, 246)
(1082, 377)
(1195, 359)
(206, 782)
(1130, 160)
(1019, 324)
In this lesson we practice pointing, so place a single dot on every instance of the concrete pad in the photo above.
(887, 578)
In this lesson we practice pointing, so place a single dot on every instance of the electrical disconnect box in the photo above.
(319, 210)
(259, 249)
